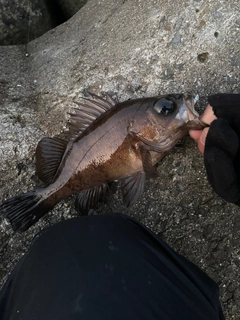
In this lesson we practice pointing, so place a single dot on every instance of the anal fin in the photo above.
(49, 154)
(132, 187)
(88, 199)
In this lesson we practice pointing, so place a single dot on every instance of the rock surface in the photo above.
(69, 7)
(129, 49)
(24, 20)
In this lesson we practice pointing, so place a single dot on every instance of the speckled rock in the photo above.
(129, 49)
(25, 20)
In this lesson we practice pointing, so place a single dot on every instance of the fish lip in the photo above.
(196, 98)
(190, 102)
(193, 116)
(186, 110)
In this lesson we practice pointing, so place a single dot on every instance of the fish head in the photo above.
(187, 112)
(175, 112)
(169, 118)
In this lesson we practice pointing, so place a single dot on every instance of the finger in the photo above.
(202, 140)
(208, 116)
(195, 134)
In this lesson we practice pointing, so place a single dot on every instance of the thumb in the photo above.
(202, 140)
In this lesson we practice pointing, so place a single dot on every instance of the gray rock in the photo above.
(70, 7)
(25, 20)
(177, 38)
(22, 21)
(109, 46)
(231, 80)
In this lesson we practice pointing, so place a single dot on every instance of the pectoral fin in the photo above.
(88, 199)
(147, 163)
(132, 187)
(49, 154)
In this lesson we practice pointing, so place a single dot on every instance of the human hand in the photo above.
(219, 143)
(200, 135)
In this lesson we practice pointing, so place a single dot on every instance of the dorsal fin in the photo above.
(49, 154)
(88, 111)
(104, 102)
(111, 100)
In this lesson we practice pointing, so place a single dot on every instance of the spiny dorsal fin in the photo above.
(111, 100)
(88, 111)
(104, 102)
(49, 154)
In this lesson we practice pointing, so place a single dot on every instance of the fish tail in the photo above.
(24, 210)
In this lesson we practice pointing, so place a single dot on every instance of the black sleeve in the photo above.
(106, 267)
(227, 106)
(222, 150)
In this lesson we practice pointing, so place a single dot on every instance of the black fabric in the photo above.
(227, 106)
(222, 152)
(221, 147)
(106, 267)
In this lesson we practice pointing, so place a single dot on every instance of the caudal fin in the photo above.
(24, 210)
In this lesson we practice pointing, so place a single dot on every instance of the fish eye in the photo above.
(165, 106)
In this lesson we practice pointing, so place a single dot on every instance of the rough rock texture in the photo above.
(24, 20)
(130, 49)
(68, 7)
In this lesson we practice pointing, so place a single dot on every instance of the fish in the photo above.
(107, 141)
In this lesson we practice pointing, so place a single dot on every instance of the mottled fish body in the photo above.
(107, 141)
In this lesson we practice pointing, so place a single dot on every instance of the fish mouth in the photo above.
(192, 116)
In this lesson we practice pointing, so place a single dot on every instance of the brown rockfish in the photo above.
(107, 141)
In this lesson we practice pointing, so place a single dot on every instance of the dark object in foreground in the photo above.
(106, 267)
(222, 148)
(107, 141)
